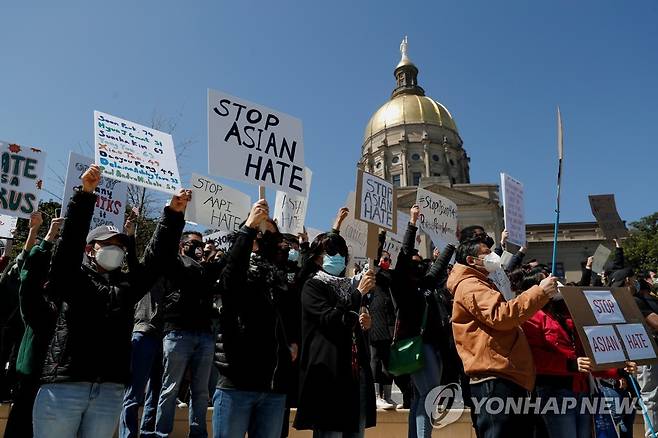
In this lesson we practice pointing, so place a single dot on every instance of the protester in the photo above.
(252, 351)
(88, 360)
(488, 335)
(648, 374)
(337, 396)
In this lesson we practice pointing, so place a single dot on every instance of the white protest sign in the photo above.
(312, 233)
(605, 344)
(500, 279)
(438, 218)
(290, 210)
(135, 154)
(221, 239)
(7, 223)
(505, 258)
(393, 247)
(217, 205)
(600, 257)
(604, 306)
(636, 340)
(111, 194)
(354, 232)
(255, 144)
(21, 178)
(376, 202)
(512, 193)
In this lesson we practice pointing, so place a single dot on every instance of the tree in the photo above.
(641, 248)
(47, 208)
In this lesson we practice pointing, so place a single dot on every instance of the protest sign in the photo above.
(355, 232)
(290, 210)
(506, 258)
(21, 178)
(135, 154)
(513, 209)
(7, 223)
(438, 218)
(255, 144)
(313, 233)
(111, 194)
(600, 257)
(500, 279)
(376, 202)
(610, 325)
(216, 205)
(604, 210)
(222, 239)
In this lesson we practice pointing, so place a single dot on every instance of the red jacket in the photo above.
(552, 346)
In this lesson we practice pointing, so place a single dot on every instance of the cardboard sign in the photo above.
(605, 308)
(111, 194)
(290, 210)
(605, 344)
(600, 257)
(21, 179)
(135, 154)
(598, 341)
(513, 208)
(222, 239)
(255, 144)
(438, 218)
(217, 205)
(376, 202)
(604, 210)
(7, 223)
(354, 232)
(501, 280)
(636, 340)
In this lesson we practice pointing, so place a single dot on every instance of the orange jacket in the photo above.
(487, 329)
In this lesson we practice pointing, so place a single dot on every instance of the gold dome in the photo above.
(407, 109)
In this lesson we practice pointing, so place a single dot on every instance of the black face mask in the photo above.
(194, 250)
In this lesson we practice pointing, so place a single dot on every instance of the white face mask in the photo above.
(492, 262)
(110, 257)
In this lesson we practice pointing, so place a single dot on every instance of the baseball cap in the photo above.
(105, 232)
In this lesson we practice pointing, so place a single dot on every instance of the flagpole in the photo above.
(559, 180)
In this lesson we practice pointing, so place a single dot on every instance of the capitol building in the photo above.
(413, 141)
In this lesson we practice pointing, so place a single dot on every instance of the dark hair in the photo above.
(470, 247)
(532, 278)
(186, 235)
(325, 243)
(469, 233)
(516, 279)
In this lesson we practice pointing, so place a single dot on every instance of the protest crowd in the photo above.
(92, 332)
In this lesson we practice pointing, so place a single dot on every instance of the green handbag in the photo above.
(407, 355)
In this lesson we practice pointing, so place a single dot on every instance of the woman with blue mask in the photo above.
(337, 397)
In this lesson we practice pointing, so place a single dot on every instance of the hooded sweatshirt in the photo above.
(487, 329)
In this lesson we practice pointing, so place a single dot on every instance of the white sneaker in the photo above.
(383, 404)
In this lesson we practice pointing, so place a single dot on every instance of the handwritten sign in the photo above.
(637, 341)
(600, 257)
(222, 239)
(355, 232)
(21, 179)
(7, 223)
(604, 210)
(501, 280)
(255, 144)
(604, 306)
(135, 154)
(512, 192)
(111, 194)
(438, 218)
(290, 210)
(376, 202)
(606, 346)
(217, 205)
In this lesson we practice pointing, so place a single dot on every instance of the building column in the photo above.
(426, 151)
(403, 157)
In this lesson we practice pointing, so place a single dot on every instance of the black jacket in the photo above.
(251, 349)
(91, 339)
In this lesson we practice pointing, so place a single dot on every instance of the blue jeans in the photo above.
(77, 410)
(183, 350)
(574, 422)
(422, 382)
(501, 423)
(237, 412)
(623, 419)
(146, 367)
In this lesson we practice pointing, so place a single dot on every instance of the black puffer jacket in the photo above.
(91, 340)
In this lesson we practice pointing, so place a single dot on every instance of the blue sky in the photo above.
(499, 67)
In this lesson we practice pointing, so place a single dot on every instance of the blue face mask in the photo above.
(293, 255)
(334, 264)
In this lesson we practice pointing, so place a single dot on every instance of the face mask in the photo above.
(385, 264)
(293, 255)
(110, 257)
(194, 250)
(334, 264)
(491, 262)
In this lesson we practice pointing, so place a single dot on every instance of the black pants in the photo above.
(380, 351)
(19, 423)
(494, 423)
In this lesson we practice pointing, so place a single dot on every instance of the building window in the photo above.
(416, 178)
(452, 163)
(436, 174)
(396, 180)
(435, 157)
(378, 165)
(396, 159)
(415, 157)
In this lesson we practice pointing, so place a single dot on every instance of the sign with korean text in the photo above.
(135, 154)
(513, 207)
(255, 144)
(438, 218)
(290, 210)
(604, 210)
(21, 178)
(216, 205)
